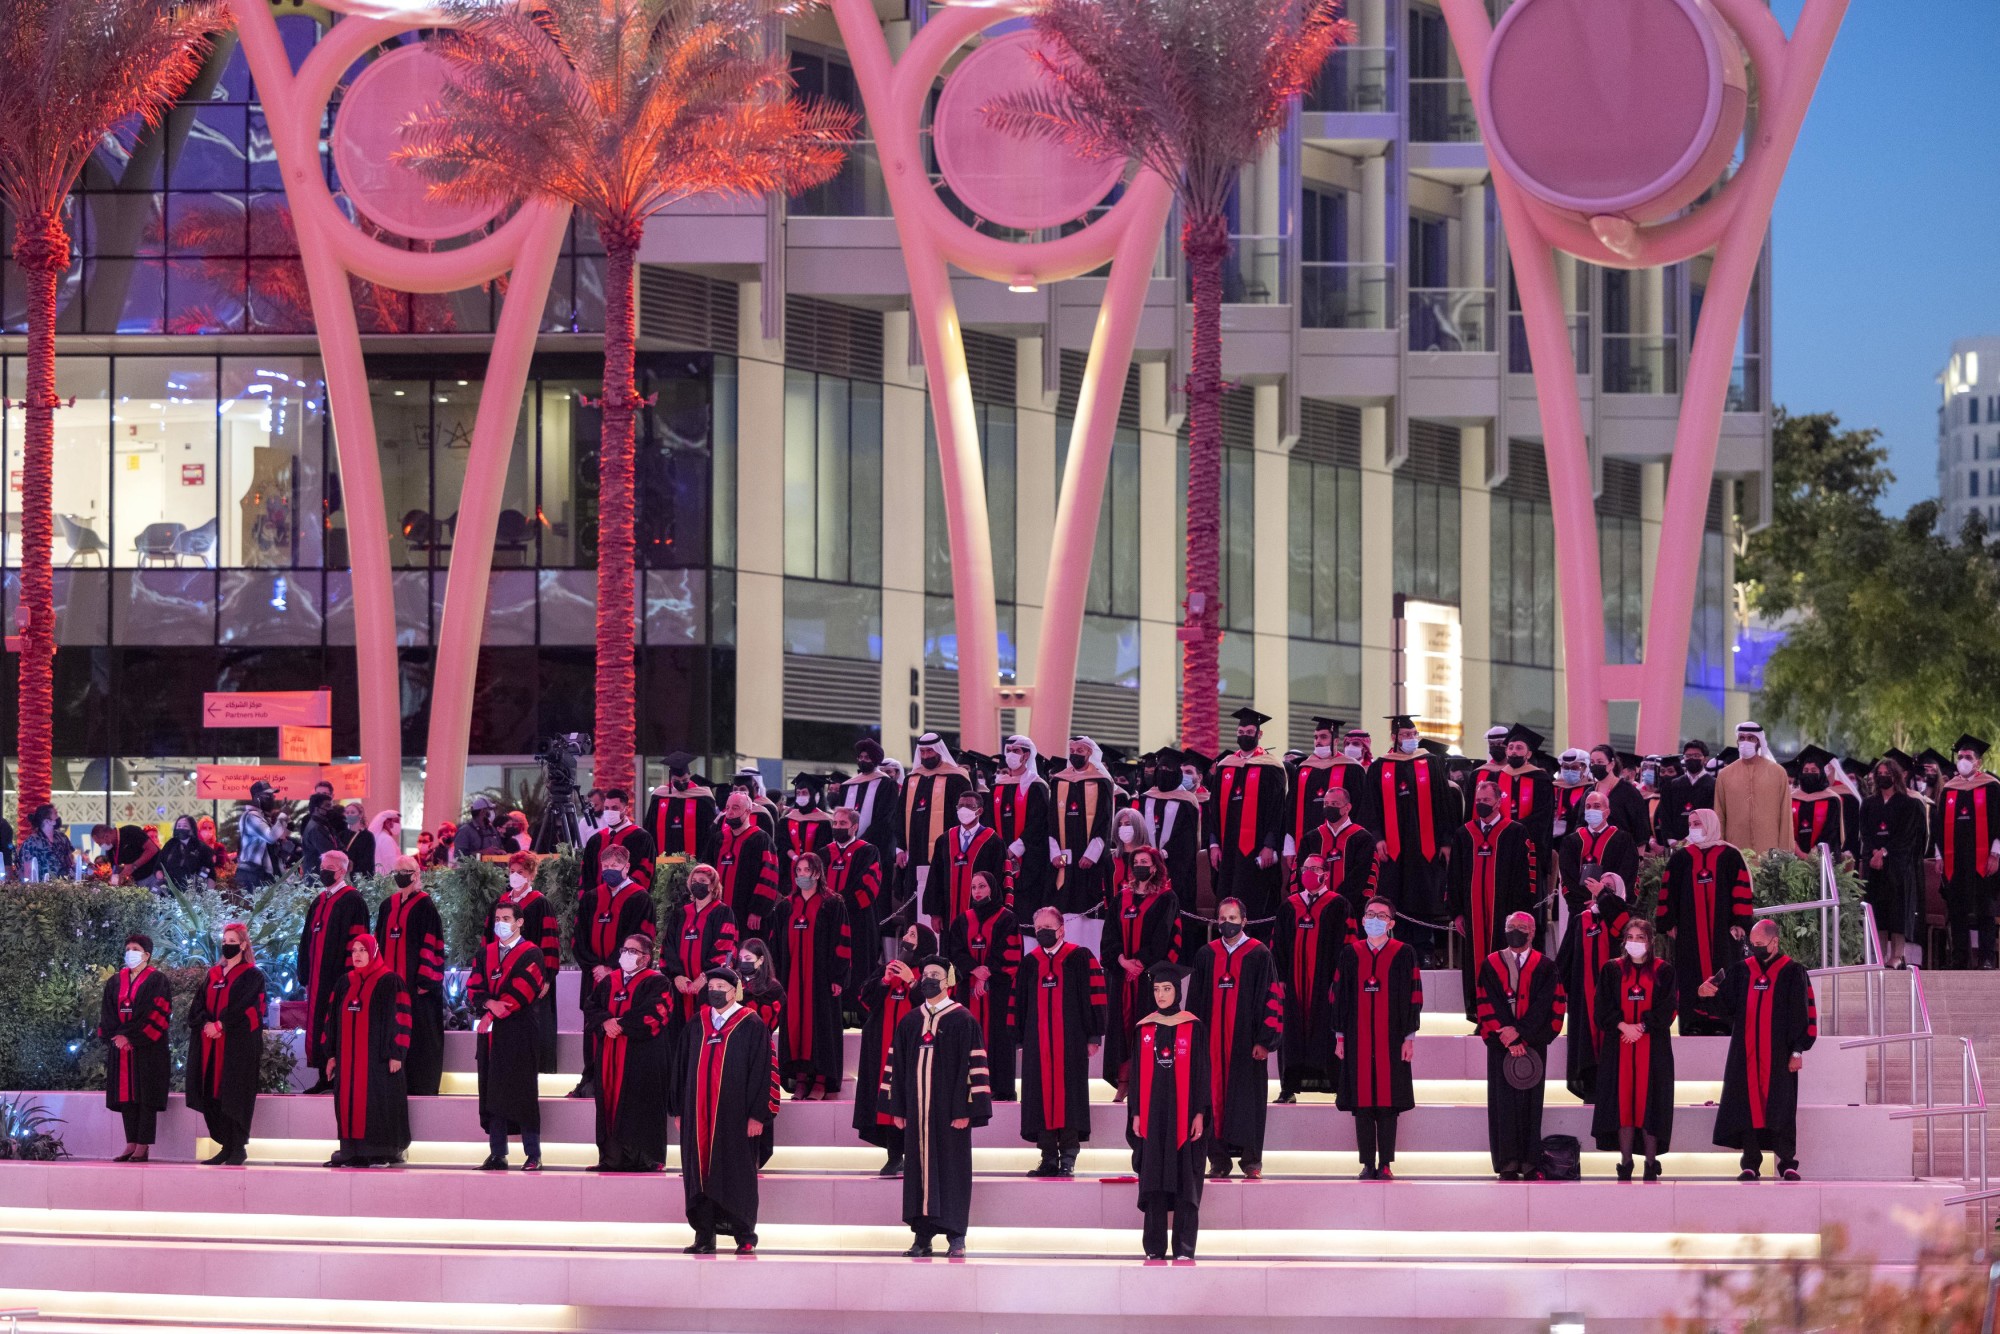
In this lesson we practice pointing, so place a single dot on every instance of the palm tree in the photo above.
(620, 108)
(1192, 89)
(75, 71)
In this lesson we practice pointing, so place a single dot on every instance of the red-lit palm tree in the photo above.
(620, 108)
(1192, 89)
(74, 70)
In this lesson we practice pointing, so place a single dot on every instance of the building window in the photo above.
(1325, 532)
(1974, 480)
(997, 447)
(1114, 562)
(833, 478)
(1622, 564)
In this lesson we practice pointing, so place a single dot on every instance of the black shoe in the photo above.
(398, 1158)
(494, 1163)
(1221, 1170)
(702, 1246)
(747, 1245)
(1382, 1173)
(238, 1156)
(1151, 1256)
(584, 1089)
(219, 1157)
(954, 1248)
(1510, 1175)
(1625, 1170)
(1067, 1166)
(1366, 1174)
(126, 1156)
(1045, 1168)
(919, 1250)
(325, 1085)
(1748, 1174)
(892, 1168)
(532, 1165)
(339, 1159)
(1788, 1174)
(1652, 1169)
(1287, 1099)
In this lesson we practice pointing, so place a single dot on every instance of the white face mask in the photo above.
(803, 800)
(967, 817)
(1595, 819)
(516, 881)
(134, 958)
(1408, 745)
(1015, 759)
(1322, 752)
(1747, 747)
(1187, 782)
(1126, 833)
(503, 931)
(1965, 767)
(1635, 950)
(629, 961)
(1376, 927)
(1353, 752)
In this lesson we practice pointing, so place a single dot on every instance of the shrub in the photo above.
(1785, 877)
(28, 1131)
(62, 942)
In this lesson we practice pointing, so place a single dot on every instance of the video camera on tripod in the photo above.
(562, 819)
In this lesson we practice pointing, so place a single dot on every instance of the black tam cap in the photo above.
(1969, 742)
(1901, 758)
(1249, 717)
(1196, 758)
(1166, 757)
(678, 762)
(1527, 736)
(1814, 755)
(1929, 756)
(937, 959)
(1167, 972)
(1398, 721)
(722, 974)
(1327, 724)
(809, 782)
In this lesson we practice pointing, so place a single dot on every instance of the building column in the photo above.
(904, 407)
(1271, 576)
(1160, 561)
(1475, 580)
(1378, 575)
(760, 534)
(1034, 504)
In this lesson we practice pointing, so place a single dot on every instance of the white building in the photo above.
(1968, 466)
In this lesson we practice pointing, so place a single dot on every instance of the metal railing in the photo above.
(1340, 294)
(1522, 362)
(1641, 363)
(1442, 112)
(1354, 78)
(15, 1315)
(1746, 384)
(1451, 319)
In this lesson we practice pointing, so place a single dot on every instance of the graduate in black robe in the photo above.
(1142, 928)
(1685, 785)
(133, 1020)
(367, 1039)
(610, 907)
(966, 847)
(1520, 1011)
(1173, 807)
(810, 954)
(854, 876)
(1965, 831)
(876, 799)
(681, 813)
(1528, 789)
(1234, 991)
(1378, 1003)
(699, 934)
(747, 862)
(1166, 1122)
(1018, 810)
(1590, 850)
(1246, 833)
(1637, 996)
(1592, 940)
(1059, 1011)
(1894, 832)
(929, 799)
(885, 998)
(1326, 767)
(1774, 1021)
(1313, 923)
(1082, 800)
(539, 926)
(630, 1013)
(500, 991)
(728, 1094)
(1819, 810)
(806, 826)
(335, 917)
(225, 1060)
(1412, 809)
(936, 1092)
(1346, 852)
(412, 936)
(984, 947)
(1705, 908)
(1492, 876)
(1627, 805)
(616, 831)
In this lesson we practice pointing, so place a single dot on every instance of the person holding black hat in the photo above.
(1166, 1123)
(1246, 835)
(726, 1090)
(1378, 1004)
(1018, 810)
(1818, 818)
(805, 827)
(1325, 767)
(1412, 809)
(1519, 1012)
(1059, 1007)
(1895, 830)
(134, 1019)
(1236, 994)
(936, 1092)
(1492, 877)
(1173, 808)
(1965, 829)
(681, 814)
(876, 799)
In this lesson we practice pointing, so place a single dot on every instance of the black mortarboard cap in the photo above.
(1329, 724)
(811, 782)
(1398, 721)
(1901, 757)
(835, 776)
(937, 959)
(1814, 755)
(1167, 971)
(1529, 736)
(1929, 756)
(1967, 741)
(1437, 748)
(1629, 759)
(1250, 717)
(678, 762)
(1729, 755)
(1166, 757)
(1196, 758)
(1113, 756)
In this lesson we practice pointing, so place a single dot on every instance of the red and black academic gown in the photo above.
(1059, 1008)
(1237, 997)
(807, 830)
(929, 802)
(335, 918)
(1308, 939)
(1080, 811)
(1170, 1088)
(632, 1068)
(1347, 859)
(728, 1078)
(411, 934)
(1635, 1080)
(1964, 823)
(1412, 808)
(810, 954)
(1609, 848)
(631, 837)
(700, 937)
(536, 918)
(988, 936)
(959, 853)
(509, 1075)
(1146, 928)
(1306, 800)
(1774, 1017)
(604, 918)
(223, 1072)
(1530, 1001)
(1530, 796)
(138, 1007)
(1703, 893)
(854, 874)
(878, 801)
(1175, 816)
(937, 1075)
(1818, 818)
(1250, 818)
(368, 1026)
(1378, 1001)
(1569, 807)
(884, 1002)
(1591, 942)
(747, 861)
(1019, 813)
(1492, 875)
(682, 822)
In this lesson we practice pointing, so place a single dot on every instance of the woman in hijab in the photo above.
(138, 1010)
(186, 858)
(885, 999)
(226, 1044)
(368, 1036)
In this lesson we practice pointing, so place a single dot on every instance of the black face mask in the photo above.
(1609, 903)
(930, 988)
(865, 765)
(1483, 809)
(1600, 771)
(932, 761)
(328, 877)
(1498, 752)
(1884, 783)
(1230, 930)
(183, 835)
(1762, 953)
(1693, 764)
(404, 879)
(716, 998)
(1246, 741)
(1517, 939)
(699, 888)
(1516, 761)
(1142, 874)
(612, 877)
(1812, 782)
(1045, 936)
(230, 949)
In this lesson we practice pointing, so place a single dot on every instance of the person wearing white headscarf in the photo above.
(1591, 938)
(1081, 808)
(930, 806)
(1019, 813)
(1705, 909)
(387, 826)
(1753, 795)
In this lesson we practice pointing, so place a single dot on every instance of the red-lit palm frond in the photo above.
(1190, 88)
(75, 69)
(621, 107)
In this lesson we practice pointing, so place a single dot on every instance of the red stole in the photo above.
(1808, 820)
(895, 1004)
(1596, 953)
(694, 930)
(1183, 1075)
(1706, 894)
(1306, 928)
(128, 995)
(1051, 1037)
(1517, 788)
(690, 835)
(802, 956)
(1226, 986)
(1484, 886)
(1635, 1059)
(357, 1057)
(604, 915)
(1982, 834)
(708, 1082)
(1392, 817)
(1376, 1045)
(962, 860)
(1246, 825)
(611, 1051)
(1757, 1014)
(318, 916)
(213, 1048)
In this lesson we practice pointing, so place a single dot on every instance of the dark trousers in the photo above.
(1783, 1144)
(140, 1123)
(1221, 1154)
(929, 1229)
(1294, 1079)
(1964, 915)
(545, 1033)
(223, 1130)
(708, 1218)
(1067, 1142)
(1375, 1135)
(1186, 1225)
(496, 1139)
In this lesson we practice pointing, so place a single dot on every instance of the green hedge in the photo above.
(62, 942)
(1781, 877)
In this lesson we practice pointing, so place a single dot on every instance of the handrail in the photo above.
(1971, 1110)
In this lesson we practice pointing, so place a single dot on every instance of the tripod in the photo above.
(562, 823)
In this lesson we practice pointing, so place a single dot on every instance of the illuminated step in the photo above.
(465, 1084)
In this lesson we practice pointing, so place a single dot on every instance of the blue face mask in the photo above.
(1595, 819)
(1376, 927)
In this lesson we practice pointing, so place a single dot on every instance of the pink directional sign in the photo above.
(368, 129)
(268, 708)
(1015, 182)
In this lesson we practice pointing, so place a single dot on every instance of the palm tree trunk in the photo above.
(1205, 242)
(42, 251)
(617, 727)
